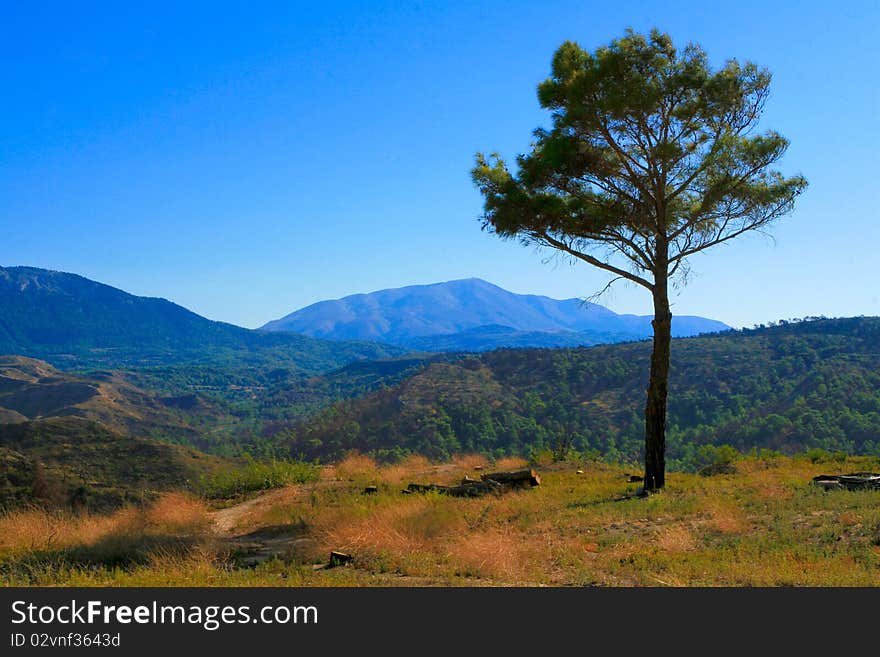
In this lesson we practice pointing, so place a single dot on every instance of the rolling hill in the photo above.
(33, 390)
(72, 321)
(802, 385)
(78, 462)
(98, 440)
(473, 315)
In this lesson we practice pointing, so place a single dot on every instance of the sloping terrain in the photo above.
(34, 390)
(92, 441)
(78, 462)
(72, 321)
(803, 385)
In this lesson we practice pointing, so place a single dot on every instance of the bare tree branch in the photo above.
(586, 257)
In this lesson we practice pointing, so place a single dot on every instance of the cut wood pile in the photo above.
(494, 482)
(851, 481)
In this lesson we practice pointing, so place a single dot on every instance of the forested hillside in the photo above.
(790, 387)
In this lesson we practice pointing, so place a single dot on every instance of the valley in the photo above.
(143, 445)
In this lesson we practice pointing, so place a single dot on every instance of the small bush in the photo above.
(542, 457)
(710, 460)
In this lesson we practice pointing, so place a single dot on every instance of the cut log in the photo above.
(474, 489)
(425, 488)
(860, 481)
(828, 484)
(496, 482)
(518, 478)
(851, 481)
(470, 488)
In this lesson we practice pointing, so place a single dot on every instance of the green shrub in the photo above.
(711, 460)
(258, 475)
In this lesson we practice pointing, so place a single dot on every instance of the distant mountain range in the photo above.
(70, 320)
(473, 315)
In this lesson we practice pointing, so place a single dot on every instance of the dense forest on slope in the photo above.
(789, 387)
(798, 385)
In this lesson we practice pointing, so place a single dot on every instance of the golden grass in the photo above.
(176, 512)
(356, 466)
(469, 461)
(764, 526)
(38, 529)
(676, 538)
(726, 517)
(510, 463)
(399, 473)
(41, 530)
(416, 523)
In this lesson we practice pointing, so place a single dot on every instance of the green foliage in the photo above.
(709, 460)
(256, 476)
(819, 455)
(652, 157)
(789, 388)
(651, 152)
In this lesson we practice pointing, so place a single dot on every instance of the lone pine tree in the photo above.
(652, 157)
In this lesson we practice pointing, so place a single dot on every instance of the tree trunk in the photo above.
(655, 407)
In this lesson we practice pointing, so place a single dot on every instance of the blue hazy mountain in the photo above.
(473, 315)
(73, 321)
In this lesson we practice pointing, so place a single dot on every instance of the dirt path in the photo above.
(226, 520)
(251, 545)
(252, 542)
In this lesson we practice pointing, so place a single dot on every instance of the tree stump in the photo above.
(339, 559)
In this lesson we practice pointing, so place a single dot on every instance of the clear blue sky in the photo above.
(247, 159)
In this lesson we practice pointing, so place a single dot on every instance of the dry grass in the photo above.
(416, 523)
(726, 517)
(40, 530)
(470, 462)
(510, 463)
(402, 472)
(676, 539)
(356, 466)
(764, 526)
(177, 512)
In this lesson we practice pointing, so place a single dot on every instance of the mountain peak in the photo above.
(412, 315)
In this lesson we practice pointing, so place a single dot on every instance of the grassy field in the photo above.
(765, 525)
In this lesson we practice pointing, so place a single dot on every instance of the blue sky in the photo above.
(247, 159)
